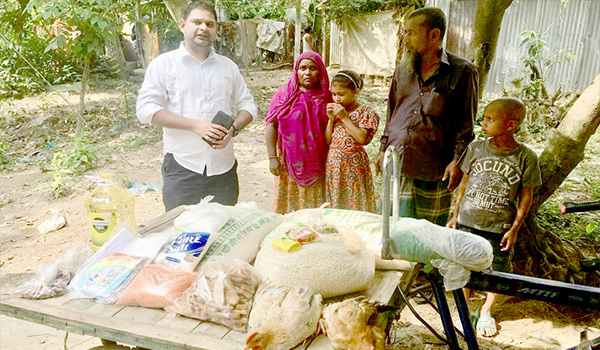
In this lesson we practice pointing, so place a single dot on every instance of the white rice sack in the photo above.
(368, 226)
(460, 251)
(241, 236)
(336, 264)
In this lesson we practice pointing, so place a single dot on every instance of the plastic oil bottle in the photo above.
(108, 206)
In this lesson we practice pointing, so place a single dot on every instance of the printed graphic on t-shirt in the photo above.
(492, 180)
(494, 185)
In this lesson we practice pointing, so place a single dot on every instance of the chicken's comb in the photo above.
(250, 336)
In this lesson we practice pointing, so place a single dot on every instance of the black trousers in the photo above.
(183, 186)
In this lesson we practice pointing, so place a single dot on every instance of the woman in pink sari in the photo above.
(295, 135)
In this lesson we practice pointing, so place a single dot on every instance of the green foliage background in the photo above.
(20, 46)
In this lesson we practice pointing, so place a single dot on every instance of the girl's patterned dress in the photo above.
(290, 196)
(348, 178)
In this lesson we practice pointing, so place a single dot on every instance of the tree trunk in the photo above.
(567, 142)
(400, 45)
(544, 254)
(245, 58)
(20, 17)
(485, 35)
(326, 44)
(147, 43)
(298, 30)
(400, 33)
(117, 49)
(84, 81)
(175, 8)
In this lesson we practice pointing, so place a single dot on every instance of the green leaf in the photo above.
(30, 6)
(48, 14)
(60, 39)
(102, 24)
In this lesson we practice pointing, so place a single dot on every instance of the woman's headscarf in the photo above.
(302, 122)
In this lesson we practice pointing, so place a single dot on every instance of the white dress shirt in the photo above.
(178, 82)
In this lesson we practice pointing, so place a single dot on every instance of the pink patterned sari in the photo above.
(302, 120)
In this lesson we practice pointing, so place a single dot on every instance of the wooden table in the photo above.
(155, 328)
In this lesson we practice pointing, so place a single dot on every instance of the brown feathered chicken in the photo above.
(281, 317)
(350, 324)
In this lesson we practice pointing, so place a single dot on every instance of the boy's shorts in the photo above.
(502, 260)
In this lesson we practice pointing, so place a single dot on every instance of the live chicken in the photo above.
(281, 317)
(350, 324)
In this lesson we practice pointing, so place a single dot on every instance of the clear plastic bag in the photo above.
(108, 272)
(156, 285)
(459, 252)
(52, 280)
(222, 293)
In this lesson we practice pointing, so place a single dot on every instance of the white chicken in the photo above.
(281, 318)
(350, 324)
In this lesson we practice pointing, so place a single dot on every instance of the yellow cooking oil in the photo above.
(108, 206)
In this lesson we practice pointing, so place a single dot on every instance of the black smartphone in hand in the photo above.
(222, 119)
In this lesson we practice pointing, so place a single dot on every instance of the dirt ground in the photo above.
(25, 203)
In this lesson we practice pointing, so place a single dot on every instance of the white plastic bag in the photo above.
(459, 251)
(56, 222)
(198, 226)
(52, 280)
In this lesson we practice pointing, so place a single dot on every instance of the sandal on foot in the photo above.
(486, 322)
(473, 317)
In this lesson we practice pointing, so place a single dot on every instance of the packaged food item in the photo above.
(108, 206)
(156, 285)
(105, 275)
(222, 293)
(198, 226)
(106, 279)
(302, 234)
(52, 280)
(186, 250)
(285, 244)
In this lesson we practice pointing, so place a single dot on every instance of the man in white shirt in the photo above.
(182, 91)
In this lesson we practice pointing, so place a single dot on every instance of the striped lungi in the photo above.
(423, 199)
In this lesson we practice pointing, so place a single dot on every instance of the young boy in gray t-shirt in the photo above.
(495, 192)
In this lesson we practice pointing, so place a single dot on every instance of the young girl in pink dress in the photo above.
(348, 179)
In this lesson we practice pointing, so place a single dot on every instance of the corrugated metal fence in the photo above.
(573, 24)
(335, 53)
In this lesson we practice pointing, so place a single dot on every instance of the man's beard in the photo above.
(409, 62)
